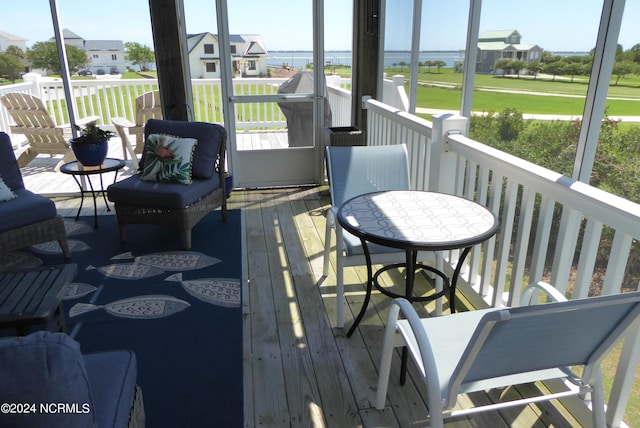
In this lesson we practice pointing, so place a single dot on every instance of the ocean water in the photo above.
(300, 59)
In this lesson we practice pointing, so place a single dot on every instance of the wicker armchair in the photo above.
(176, 205)
(25, 219)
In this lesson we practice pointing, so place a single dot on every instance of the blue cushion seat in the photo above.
(28, 218)
(112, 376)
(9, 169)
(135, 192)
(46, 368)
(28, 208)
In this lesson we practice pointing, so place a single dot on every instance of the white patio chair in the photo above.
(148, 106)
(499, 347)
(355, 171)
(43, 135)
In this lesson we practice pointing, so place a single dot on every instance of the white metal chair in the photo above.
(355, 171)
(499, 347)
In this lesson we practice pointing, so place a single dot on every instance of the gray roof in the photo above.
(498, 34)
(68, 35)
(500, 46)
(103, 45)
(252, 43)
(9, 36)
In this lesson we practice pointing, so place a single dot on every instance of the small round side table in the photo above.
(76, 169)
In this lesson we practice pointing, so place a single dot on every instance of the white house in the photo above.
(247, 50)
(504, 44)
(104, 55)
(7, 39)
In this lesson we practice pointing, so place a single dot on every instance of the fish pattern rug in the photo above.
(178, 310)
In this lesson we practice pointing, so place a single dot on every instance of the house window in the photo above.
(252, 65)
(208, 48)
(95, 56)
(233, 49)
(211, 67)
(114, 57)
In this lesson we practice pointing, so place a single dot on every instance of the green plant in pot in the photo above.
(91, 146)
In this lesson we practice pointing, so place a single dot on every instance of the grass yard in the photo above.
(487, 101)
(443, 91)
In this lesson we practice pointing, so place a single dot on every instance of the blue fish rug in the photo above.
(179, 311)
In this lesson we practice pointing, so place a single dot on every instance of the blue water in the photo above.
(300, 59)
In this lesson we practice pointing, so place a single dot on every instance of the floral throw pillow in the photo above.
(6, 194)
(168, 159)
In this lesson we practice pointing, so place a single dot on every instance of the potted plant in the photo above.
(91, 146)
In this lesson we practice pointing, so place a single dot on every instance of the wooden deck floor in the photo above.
(299, 369)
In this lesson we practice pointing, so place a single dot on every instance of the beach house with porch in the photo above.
(504, 44)
(249, 56)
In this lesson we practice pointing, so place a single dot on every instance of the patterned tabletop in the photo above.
(417, 220)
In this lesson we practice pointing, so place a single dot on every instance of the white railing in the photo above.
(108, 98)
(340, 102)
(542, 215)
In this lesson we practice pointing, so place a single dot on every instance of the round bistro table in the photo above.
(76, 169)
(415, 221)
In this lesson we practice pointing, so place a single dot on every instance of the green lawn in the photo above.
(627, 87)
(483, 101)
(443, 91)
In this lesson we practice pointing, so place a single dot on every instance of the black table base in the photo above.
(411, 265)
(76, 170)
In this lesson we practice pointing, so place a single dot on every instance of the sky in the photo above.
(554, 25)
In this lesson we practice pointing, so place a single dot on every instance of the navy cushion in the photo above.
(133, 191)
(27, 208)
(112, 376)
(9, 170)
(45, 368)
(210, 137)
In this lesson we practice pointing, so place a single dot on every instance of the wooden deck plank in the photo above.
(331, 377)
(266, 359)
(303, 396)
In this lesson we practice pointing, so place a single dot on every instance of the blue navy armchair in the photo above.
(172, 204)
(25, 218)
(47, 369)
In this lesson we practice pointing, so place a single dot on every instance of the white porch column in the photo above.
(35, 79)
(595, 105)
(442, 175)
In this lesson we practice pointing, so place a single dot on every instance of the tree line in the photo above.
(44, 55)
(626, 62)
(438, 64)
